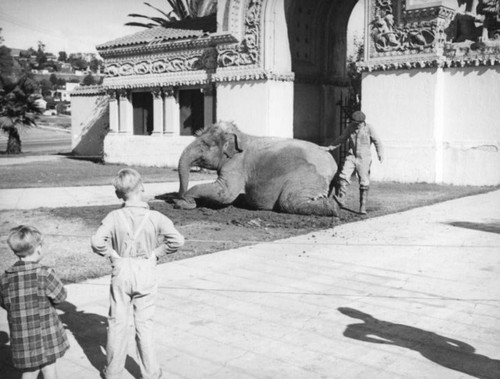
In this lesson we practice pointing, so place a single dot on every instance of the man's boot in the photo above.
(341, 192)
(363, 198)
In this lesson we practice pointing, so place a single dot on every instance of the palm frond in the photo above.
(140, 24)
(158, 9)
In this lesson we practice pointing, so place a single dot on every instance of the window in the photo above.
(192, 111)
(142, 102)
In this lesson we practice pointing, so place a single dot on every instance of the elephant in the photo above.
(280, 174)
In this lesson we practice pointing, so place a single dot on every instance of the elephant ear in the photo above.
(232, 145)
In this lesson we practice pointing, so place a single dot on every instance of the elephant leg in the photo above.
(217, 192)
(325, 206)
(312, 199)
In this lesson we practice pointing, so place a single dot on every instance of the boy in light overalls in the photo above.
(129, 237)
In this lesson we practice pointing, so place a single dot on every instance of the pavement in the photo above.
(56, 197)
(408, 295)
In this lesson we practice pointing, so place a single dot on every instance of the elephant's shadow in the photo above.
(453, 354)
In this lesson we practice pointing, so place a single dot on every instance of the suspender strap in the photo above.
(129, 231)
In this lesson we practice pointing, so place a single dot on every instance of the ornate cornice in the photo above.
(244, 74)
(161, 48)
(95, 90)
(175, 79)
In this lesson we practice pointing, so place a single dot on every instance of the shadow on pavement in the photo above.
(447, 352)
(491, 227)
(7, 370)
(89, 330)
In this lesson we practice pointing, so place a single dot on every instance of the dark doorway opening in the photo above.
(192, 111)
(142, 103)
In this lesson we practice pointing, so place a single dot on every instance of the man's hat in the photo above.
(358, 116)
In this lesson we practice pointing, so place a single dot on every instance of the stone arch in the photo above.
(303, 37)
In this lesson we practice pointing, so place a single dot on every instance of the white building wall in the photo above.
(471, 153)
(261, 108)
(150, 151)
(89, 124)
(401, 107)
(437, 125)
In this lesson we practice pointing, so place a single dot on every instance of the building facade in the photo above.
(278, 68)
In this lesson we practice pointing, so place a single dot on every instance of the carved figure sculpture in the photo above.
(285, 175)
(490, 9)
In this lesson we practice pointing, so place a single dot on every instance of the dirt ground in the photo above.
(68, 230)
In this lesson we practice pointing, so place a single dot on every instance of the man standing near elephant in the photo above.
(359, 159)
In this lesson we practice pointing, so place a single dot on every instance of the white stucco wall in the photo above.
(261, 108)
(401, 107)
(471, 133)
(89, 124)
(438, 126)
(151, 151)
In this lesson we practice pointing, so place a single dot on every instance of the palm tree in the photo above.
(180, 10)
(18, 110)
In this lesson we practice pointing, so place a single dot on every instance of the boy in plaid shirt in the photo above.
(133, 237)
(29, 291)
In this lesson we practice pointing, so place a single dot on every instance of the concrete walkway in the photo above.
(408, 295)
(54, 197)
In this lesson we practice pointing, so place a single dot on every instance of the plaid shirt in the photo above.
(28, 291)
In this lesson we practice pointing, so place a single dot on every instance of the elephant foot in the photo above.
(184, 204)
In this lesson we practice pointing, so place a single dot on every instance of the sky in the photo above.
(75, 25)
(69, 25)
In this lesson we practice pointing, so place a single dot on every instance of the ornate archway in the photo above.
(299, 44)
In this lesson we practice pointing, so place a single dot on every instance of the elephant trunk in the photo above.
(188, 157)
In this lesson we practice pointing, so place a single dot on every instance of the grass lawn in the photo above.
(68, 230)
(66, 172)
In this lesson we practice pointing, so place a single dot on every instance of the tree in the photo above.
(18, 110)
(94, 65)
(352, 61)
(77, 62)
(89, 80)
(46, 87)
(63, 57)
(53, 79)
(180, 10)
(41, 57)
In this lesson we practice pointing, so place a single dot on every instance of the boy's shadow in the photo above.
(90, 332)
(447, 352)
(7, 369)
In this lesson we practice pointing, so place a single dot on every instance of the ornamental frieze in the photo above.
(200, 60)
(247, 51)
(406, 34)
(394, 30)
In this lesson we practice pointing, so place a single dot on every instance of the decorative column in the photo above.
(209, 99)
(157, 111)
(114, 117)
(171, 115)
(126, 112)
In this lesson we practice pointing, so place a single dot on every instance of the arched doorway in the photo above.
(317, 34)
(288, 62)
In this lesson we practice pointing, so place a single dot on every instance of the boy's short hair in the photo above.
(126, 181)
(24, 239)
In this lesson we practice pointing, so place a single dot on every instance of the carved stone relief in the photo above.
(246, 52)
(445, 36)
(479, 20)
(390, 34)
(190, 61)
